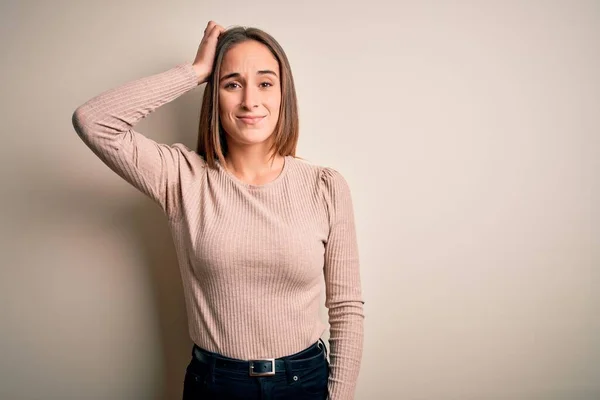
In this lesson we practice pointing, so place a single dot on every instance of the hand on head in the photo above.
(203, 63)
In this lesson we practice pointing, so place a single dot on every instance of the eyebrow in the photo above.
(237, 74)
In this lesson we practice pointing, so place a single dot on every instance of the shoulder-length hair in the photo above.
(212, 144)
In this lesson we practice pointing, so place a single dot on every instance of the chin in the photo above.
(250, 137)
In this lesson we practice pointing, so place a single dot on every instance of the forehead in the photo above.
(248, 56)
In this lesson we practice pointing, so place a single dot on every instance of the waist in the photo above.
(308, 358)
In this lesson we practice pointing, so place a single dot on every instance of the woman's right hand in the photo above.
(203, 64)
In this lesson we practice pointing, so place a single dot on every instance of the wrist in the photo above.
(201, 74)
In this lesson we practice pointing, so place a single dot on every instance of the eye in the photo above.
(268, 84)
(230, 85)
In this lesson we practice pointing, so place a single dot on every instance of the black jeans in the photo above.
(304, 377)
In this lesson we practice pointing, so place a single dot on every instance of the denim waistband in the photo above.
(305, 359)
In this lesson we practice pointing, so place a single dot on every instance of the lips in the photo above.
(251, 119)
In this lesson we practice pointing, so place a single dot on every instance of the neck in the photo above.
(253, 165)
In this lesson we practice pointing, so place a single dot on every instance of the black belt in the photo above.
(307, 358)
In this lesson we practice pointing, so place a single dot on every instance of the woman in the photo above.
(255, 228)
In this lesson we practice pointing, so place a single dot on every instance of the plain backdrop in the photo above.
(467, 130)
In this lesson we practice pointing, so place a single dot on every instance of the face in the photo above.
(249, 93)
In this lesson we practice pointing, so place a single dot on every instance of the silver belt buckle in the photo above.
(269, 373)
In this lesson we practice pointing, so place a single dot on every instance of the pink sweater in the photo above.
(252, 258)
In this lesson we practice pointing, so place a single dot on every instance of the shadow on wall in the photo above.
(70, 222)
(156, 247)
(174, 122)
(144, 222)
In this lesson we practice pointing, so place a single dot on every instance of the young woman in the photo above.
(256, 229)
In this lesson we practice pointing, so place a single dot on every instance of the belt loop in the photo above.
(211, 369)
(324, 347)
(288, 371)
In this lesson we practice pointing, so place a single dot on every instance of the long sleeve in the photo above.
(343, 288)
(105, 123)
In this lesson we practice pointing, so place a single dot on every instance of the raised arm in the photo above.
(105, 124)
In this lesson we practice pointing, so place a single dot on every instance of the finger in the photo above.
(208, 31)
(215, 32)
(211, 24)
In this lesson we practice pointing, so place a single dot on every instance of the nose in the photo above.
(250, 97)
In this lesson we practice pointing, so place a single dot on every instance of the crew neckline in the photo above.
(279, 178)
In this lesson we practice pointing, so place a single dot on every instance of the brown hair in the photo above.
(211, 136)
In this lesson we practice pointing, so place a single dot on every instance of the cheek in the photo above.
(274, 102)
(226, 105)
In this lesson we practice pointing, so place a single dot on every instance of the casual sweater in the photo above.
(252, 257)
